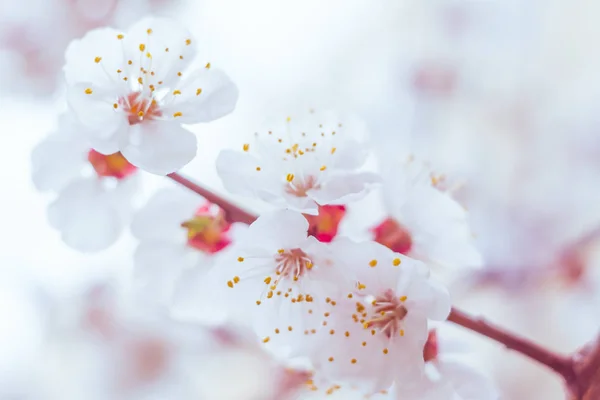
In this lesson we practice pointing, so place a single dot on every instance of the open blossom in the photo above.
(180, 235)
(374, 334)
(425, 222)
(136, 88)
(94, 191)
(299, 164)
(282, 276)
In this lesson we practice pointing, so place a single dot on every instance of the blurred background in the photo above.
(501, 97)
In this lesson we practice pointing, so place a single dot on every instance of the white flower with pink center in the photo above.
(136, 88)
(374, 335)
(425, 222)
(181, 235)
(94, 191)
(299, 164)
(282, 276)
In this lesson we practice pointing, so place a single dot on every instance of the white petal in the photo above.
(342, 188)
(205, 96)
(81, 65)
(96, 110)
(238, 173)
(430, 298)
(467, 382)
(160, 147)
(86, 221)
(55, 162)
(278, 229)
(161, 217)
(165, 34)
(158, 265)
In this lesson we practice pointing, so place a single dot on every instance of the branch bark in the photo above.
(560, 364)
(233, 213)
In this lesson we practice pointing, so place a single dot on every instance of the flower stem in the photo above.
(560, 364)
(233, 213)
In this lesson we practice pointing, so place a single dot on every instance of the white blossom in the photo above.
(93, 191)
(374, 334)
(136, 88)
(299, 164)
(181, 235)
(424, 221)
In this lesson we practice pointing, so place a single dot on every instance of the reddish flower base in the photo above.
(112, 165)
(393, 236)
(207, 232)
(324, 226)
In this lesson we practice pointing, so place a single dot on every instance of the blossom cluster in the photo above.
(338, 284)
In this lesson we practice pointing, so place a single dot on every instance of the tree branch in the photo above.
(560, 364)
(564, 366)
(233, 213)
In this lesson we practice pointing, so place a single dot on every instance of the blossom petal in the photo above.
(161, 217)
(58, 159)
(205, 96)
(278, 229)
(161, 46)
(158, 265)
(467, 381)
(159, 147)
(95, 58)
(87, 222)
(344, 187)
(93, 106)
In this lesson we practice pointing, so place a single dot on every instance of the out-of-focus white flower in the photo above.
(103, 346)
(135, 89)
(94, 191)
(181, 234)
(374, 335)
(256, 375)
(283, 276)
(425, 222)
(299, 164)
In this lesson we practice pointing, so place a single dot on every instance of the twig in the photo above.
(233, 213)
(560, 364)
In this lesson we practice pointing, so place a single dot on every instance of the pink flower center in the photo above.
(207, 233)
(393, 236)
(299, 187)
(292, 263)
(139, 108)
(112, 165)
(387, 314)
(324, 226)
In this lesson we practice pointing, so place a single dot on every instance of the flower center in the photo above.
(387, 314)
(139, 108)
(292, 263)
(207, 233)
(324, 226)
(298, 187)
(112, 165)
(393, 236)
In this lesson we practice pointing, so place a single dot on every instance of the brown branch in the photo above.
(560, 364)
(233, 213)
